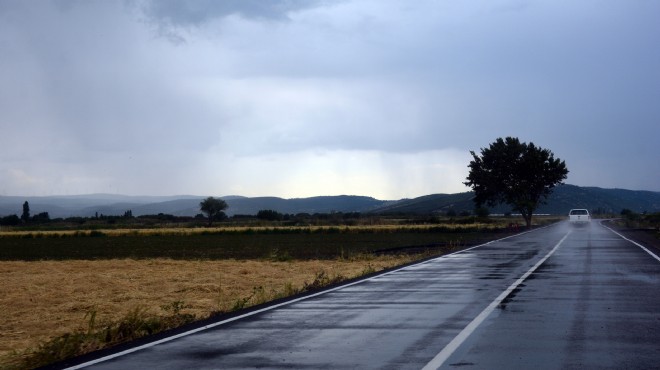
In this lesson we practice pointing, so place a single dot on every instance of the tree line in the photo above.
(14, 220)
(212, 210)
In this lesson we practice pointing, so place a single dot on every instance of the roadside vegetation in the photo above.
(635, 220)
(69, 290)
(642, 227)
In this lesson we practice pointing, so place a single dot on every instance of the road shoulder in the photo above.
(650, 238)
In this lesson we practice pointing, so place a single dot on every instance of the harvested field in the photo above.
(65, 293)
(45, 299)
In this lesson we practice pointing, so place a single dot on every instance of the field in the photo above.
(89, 285)
(42, 300)
(250, 243)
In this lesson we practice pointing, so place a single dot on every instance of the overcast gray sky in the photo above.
(297, 98)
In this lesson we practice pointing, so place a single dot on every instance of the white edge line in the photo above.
(450, 348)
(632, 241)
(193, 331)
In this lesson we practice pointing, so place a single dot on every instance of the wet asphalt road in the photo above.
(593, 301)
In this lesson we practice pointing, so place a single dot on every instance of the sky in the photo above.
(298, 98)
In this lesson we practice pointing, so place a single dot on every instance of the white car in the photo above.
(579, 217)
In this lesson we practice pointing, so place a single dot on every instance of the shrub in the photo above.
(11, 220)
(321, 280)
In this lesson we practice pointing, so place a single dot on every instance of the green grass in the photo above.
(256, 245)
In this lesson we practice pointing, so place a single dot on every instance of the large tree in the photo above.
(519, 174)
(212, 207)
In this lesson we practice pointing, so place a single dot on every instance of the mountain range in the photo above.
(564, 198)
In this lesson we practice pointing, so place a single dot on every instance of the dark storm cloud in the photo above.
(195, 12)
(171, 16)
(89, 94)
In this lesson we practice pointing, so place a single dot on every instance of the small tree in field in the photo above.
(212, 207)
(519, 174)
(26, 212)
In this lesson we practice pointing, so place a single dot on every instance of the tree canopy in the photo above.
(212, 207)
(269, 215)
(519, 174)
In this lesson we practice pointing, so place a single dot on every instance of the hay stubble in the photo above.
(44, 299)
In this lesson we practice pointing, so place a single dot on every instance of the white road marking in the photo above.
(632, 241)
(193, 331)
(450, 348)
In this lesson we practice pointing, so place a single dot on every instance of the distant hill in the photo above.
(85, 205)
(323, 204)
(561, 201)
(566, 197)
(104, 204)
(430, 204)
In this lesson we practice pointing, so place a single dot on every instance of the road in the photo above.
(553, 298)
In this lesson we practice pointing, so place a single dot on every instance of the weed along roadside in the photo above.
(93, 292)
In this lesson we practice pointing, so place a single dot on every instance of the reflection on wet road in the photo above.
(593, 302)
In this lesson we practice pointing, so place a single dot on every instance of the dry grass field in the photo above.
(67, 292)
(41, 300)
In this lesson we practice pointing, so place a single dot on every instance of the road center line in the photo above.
(450, 348)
